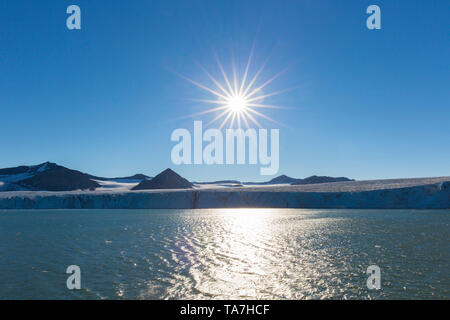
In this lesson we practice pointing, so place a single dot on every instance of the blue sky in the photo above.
(105, 99)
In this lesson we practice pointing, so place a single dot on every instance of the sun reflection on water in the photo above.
(267, 254)
(241, 253)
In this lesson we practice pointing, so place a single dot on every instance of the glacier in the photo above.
(426, 193)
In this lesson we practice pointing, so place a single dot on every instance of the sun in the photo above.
(237, 100)
(237, 103)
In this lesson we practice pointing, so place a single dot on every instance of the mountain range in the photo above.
(50, 176)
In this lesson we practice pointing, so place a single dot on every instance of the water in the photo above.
(224, 254)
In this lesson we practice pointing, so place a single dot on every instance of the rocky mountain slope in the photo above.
(168, 179)
(49, 176)
(46, 176)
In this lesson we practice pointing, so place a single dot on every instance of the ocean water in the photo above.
(225, 254)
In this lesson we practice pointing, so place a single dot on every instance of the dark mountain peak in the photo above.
(46, 176)
(52, 177)
(29, 170)
(45, 166)
(282, 179)
(138, 176)
(167, 175)
(310, 180)
(169, 171)
(47, 163)
(321, 179)
(168, 179)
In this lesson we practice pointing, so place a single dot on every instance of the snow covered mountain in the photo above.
(49, 176)
(45, 176)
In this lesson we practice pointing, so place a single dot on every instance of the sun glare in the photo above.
(237, 100)
(237, 103)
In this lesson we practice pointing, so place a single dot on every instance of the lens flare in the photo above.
(236, 100)
(237, 103)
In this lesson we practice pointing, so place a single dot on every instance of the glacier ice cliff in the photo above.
(426, 196)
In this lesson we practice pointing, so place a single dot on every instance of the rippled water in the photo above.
(224, 253)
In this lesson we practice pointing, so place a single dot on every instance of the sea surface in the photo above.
(225, 254)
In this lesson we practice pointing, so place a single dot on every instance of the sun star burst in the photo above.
(235, 101)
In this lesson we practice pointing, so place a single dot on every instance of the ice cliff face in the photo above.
(431, 196)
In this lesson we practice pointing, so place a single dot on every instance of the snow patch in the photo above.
(43, 168)
(117, 185)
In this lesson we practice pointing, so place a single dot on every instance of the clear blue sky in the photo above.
(105, 99)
